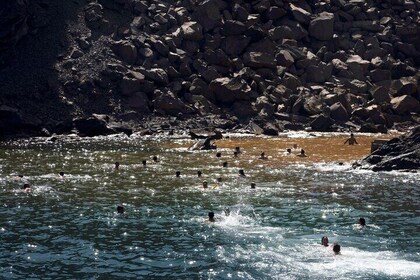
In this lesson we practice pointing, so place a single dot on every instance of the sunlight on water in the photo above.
(67, 226)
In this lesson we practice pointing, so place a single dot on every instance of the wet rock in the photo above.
(93, 126)
(401, 153)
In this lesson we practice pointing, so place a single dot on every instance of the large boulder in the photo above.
(405, 104)
(93, 126)
(192, 30)
(259, 60)
(322, 27)
(338, 112)
(125, 50)
(167, 103)
(228, 90)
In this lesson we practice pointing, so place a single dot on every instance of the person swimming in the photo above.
(26, 188)
(351, 140)
(178, 174)
(225, 164)
(324, 241)
(336, 249)
(302, 153)
(117, 165)
(211, 217)
(263, 156)
(362, 222)
(235, 154)
(289, 151)
(199, 173)
(238, 150)
(241, 173)
(143, 162)
(218, 154)
(252, 185)
(155, 159)
(227, 212)
(205, 185)
(61, 174)
(120, 209)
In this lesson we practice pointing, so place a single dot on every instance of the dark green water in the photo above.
(67, 228)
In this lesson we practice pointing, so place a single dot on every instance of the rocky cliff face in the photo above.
(274, 64)
(401, 153)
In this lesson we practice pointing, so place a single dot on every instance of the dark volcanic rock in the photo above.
(401, 153)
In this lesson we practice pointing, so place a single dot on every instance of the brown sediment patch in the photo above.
(326, 148)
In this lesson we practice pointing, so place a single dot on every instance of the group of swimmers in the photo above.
(336, 247)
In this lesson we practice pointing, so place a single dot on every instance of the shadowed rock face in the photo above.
(401, 153)
(322, 65)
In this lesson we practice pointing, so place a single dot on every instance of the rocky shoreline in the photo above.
(98, 67)
(402, 153)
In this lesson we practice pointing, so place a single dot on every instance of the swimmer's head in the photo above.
(155, 158)
(241, 172)
(227, 212)
(238, 149)
(178, 173)
(61, 173)
(143, 162)
(336, 249)
(219, 179)
(20, 176)
(362, 222)
(120, 209)
(211, 216)
(324, 241)
(235, 153)
(218, 154)
(205, 184)
(117, 164)
(252, 185)
(289, 150)
(295, 146)
(26, 186)
(302, 151)
(199, 173)
(225, 164)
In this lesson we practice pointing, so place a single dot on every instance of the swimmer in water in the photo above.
(252, 185)
(235, 154)
(211, 217)
(336, 249)
(199, 173)
(225, 164)
(120, 209)
(302, 153)
(219, 181)
(117, 165)
(155, 159)
(362, 222)
(238, 150)
(218, 154)
(324, 241)
(351, 140)
(227, 212)
(178, 174)
(289, 151)
(143, 162)
(263, 156)
(26, 188)
(205, 185)
(61, 174)
(295, 146)
(241, 173)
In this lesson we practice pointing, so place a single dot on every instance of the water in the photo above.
(67, 227)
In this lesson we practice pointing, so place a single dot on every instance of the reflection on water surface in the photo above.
(67, 227)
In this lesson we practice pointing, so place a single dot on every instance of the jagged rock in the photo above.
(139, 102)
(284, 58)
(205, 134)
(227, 90)
(322, 123)
(338, 112)
(233, 27)
(235, 45)
(259, 60)
(167, 103)
(405, 104)
(94, 14)
(203, 144)
(380, 94)
(243, 109)
(322, 27)
(192, 31)
(378, 75)
(125, 50)
(207, 13)
(157, 75)
(132, 82)
(300, 14)
(93, 126)
(401, 153)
